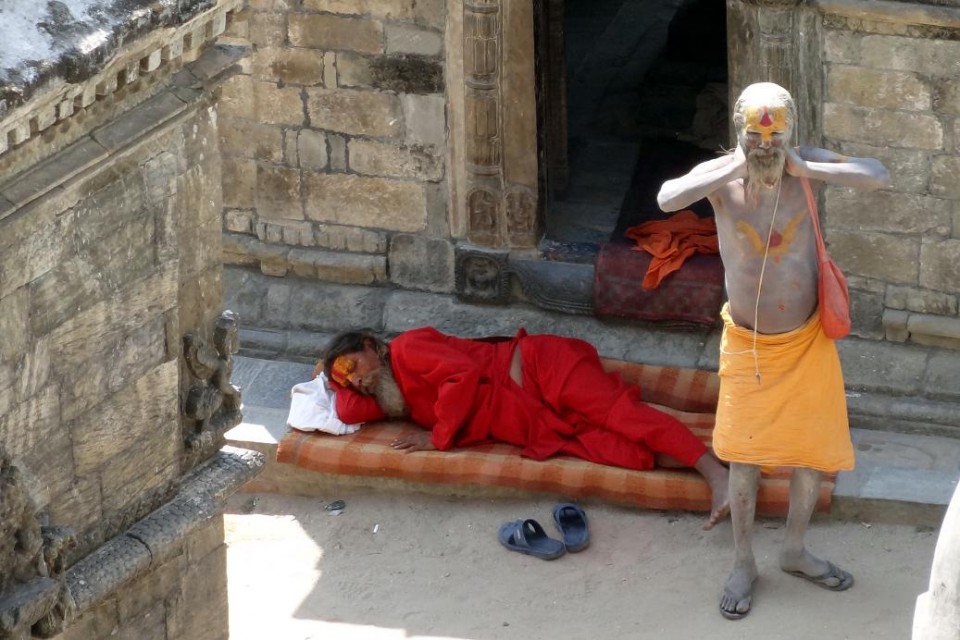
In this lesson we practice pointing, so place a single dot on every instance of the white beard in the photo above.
(764, 170)
(388, 394)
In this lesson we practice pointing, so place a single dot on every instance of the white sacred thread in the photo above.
(756, 308)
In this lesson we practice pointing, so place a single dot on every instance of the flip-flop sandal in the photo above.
(729, 596)
(572, 522)
(527, 536)
(833, 571)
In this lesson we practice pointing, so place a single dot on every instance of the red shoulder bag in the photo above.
(834, 297)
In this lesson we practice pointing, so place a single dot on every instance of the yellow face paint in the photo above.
(341, 370)
(766, 121)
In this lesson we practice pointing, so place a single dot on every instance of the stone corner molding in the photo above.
(922, 328)
(152, 53)
(921, 13)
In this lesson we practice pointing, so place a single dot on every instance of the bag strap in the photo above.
(812, 208)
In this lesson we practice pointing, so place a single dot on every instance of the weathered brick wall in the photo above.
(110, 256)
(100, 278)
(334, 143)
(891, 92)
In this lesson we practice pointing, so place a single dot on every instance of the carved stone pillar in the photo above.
(497, 168)
(778, 41)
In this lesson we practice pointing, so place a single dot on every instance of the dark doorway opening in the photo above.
(638, 95)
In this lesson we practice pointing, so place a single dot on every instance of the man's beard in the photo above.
(764, 169)
(388, 394)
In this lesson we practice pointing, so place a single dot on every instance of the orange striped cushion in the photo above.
(692, 392)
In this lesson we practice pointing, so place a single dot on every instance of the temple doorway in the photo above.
(630, 92)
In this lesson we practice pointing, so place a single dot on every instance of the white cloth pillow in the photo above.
(313, 407)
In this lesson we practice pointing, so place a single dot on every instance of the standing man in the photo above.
(782, 397)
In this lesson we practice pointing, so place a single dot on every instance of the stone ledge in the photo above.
(922, 328)
(89, 151)
(175, 44)
(26, 604)
(151, 541)
(889, 11)
(278, 260)
(918, 416)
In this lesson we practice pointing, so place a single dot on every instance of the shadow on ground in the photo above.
(402, 566)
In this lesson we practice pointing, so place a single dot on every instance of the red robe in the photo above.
(461, 390)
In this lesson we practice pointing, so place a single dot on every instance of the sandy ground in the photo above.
(395, 566)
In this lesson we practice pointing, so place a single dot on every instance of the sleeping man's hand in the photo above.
(419, 441)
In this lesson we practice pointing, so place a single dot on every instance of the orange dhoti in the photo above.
(796, 413)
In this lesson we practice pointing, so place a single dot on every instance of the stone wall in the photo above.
(342, 167)
(110, 272)
(879, 80)
(872, 78)
(185, 597)
(334, 143)
(890, 92)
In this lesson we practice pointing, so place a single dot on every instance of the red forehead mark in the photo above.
(766, 120)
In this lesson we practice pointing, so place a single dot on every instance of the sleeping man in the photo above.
(546, 394)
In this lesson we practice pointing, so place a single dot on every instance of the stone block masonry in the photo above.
(890, 93)
(334, 139)
(110, 271)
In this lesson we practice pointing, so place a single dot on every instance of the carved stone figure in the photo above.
(212, 403)
(521, 215)
(481, 276)
(483, 211)
(32, 557)
(20, 539)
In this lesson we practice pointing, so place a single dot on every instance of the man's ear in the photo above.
(368, 343)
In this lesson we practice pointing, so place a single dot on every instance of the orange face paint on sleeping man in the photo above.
(341, 369)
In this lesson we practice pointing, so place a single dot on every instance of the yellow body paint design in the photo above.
(779, 243)
(765, 120)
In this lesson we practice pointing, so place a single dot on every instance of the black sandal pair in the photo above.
(528, 537)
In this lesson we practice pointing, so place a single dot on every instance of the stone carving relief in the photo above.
(481, 276)
(521, 217)
(212, 404)
(482, 47)
(32, 557)
(484, 131)
(483, 211)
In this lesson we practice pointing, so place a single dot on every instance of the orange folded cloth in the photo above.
(672, 241)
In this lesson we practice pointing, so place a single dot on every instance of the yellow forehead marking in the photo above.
(765, 120)
(341, 370)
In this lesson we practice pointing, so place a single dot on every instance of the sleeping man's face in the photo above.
(360, 369)
(366, 372)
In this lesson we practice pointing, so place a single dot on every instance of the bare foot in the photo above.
(737, 594)
(718, 477)
(720, 508)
